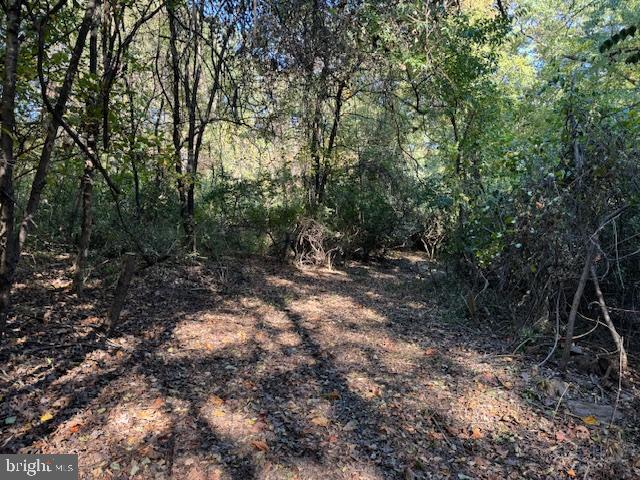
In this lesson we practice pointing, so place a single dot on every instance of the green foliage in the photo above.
(498, 140)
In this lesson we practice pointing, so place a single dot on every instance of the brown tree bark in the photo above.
(120, 295)
(176, 110)
(86, 184)
(9, 257)
(568, 339)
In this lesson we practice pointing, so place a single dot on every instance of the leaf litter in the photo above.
(282, 373)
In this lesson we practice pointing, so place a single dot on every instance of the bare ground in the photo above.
(243, 369)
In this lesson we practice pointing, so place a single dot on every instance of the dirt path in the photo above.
(258, 371)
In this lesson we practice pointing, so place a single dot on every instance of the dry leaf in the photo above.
(217, 412)
(582, 432)
(476, 433)
(351, 425)
(590, 420)
(571, 472)
(46, 417)
(260, 445)
(320, 421)
(335, 395)
(144, 414)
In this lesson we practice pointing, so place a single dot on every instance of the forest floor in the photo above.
(244, 369)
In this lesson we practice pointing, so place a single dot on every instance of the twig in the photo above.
(439, 427)
(522, 344)
(560, 401)
(617, 339)
(615, 406)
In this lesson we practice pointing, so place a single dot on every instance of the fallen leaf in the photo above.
(10, 420)
(145, 414)
(582, 432)
(134, 469)
(46, 417)
(560, 436)
(351, 425)
(334, 395)
(502, 451)
(590, 420)
(74, 428)
(260, 445)
(476, 433)
(320, 421)
(571, 472)
(258, 426)
(429, 352)
(489, 379)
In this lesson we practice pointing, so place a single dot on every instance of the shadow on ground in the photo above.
(268, 372)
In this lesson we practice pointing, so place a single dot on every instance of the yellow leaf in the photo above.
(590, 420)
(46, 417)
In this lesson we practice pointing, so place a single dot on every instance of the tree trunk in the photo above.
(175, 108)
(315, 151)
(86, 189)
(328, 154)
(86, 184)
(39, 180)
(9, 258)
(568, 339)
(120, 295)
